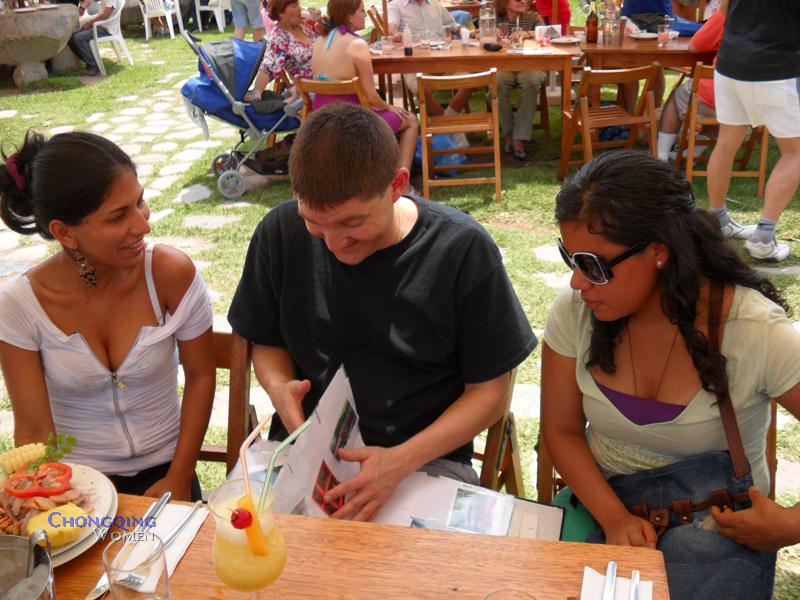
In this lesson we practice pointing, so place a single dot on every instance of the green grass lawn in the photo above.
(520, 223)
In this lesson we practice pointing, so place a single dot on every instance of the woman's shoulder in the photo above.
(173, 273)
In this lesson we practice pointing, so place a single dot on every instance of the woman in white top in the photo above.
(90, 338)
(630, 382)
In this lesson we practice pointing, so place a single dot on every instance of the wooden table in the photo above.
(639, 53)
(473, 8)
(471, 59)
(340, 559)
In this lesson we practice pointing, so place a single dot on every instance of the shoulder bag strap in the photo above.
(741, 466)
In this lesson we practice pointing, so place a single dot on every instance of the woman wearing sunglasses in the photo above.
(634, 381)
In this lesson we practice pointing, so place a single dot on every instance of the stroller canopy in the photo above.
(235, 62)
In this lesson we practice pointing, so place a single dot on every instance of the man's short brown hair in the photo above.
(342, 151)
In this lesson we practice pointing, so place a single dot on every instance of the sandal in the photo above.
(508, 149)
(519, 154)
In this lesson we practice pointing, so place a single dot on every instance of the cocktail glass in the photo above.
(235, 561)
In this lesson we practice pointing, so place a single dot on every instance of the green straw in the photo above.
(292, 437)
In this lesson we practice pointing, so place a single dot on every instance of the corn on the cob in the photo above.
(13, 460)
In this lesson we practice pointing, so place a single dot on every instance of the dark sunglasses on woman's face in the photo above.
(596, 269)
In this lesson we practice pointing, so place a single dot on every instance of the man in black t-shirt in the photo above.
(409, 295)
(757, 82)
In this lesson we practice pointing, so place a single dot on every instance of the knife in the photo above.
(170, 537)
(634, 591)
(611, 581)
(102, 585)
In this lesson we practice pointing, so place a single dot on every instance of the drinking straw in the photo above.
(291, 437)
(243, 453)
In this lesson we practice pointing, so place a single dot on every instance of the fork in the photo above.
(138, 576)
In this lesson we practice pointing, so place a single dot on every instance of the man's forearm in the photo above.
(477, 408)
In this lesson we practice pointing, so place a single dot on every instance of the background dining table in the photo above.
(328, 558)
(640, 53)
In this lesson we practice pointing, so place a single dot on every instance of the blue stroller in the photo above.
(227, 70)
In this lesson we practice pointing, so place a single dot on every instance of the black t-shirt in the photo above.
(412, 323)
(761, 41)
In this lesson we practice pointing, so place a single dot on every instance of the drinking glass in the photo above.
(516, 38)
(663, 34)
(424, 38)
(502, 32)
(137, 569)
(234, 561)
(387, 44)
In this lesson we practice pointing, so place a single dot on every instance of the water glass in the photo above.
(663, 34)
(387, 44)
(137, 569)
(424, 38)
(502, 32)
(516, 38)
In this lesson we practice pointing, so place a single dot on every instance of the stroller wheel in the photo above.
(223, 162)
(231, 184)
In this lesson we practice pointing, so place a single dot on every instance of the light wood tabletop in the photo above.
(640, 53)
(340, 559)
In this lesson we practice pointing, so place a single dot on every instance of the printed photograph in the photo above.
(325, 482)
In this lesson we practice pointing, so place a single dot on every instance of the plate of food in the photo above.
(566, 39)
(644, 35)
(69, 501)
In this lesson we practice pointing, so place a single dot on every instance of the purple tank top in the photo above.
(642, 411)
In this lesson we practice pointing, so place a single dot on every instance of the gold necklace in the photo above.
(663, 370)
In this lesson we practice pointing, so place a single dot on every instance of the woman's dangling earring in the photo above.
(86, 271)
(659, 264)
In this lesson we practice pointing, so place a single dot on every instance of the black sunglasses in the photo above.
(595, 268)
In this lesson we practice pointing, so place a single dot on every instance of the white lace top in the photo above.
(123, 421)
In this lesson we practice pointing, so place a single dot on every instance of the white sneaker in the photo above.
(771, 251)
(734, 229)
(461, 140)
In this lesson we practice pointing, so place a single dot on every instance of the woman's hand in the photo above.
(399, 111)
(630, 530)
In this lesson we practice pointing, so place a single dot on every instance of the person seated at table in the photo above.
(563, 18)
(707, 39)
(431, 16)
(288, 46)
(80, 41)
(409, 295)
(516, 130)
(90, 339)
(632, 384)
(340, 54)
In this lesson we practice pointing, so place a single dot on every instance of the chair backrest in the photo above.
(500, 464)
(377, 21)
(593, 77)
(154, 6)
(232, 352)
(457, 82)
(112, 24)
(306, 87)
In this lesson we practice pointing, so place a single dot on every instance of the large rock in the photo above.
(65, 60)
(28, 38)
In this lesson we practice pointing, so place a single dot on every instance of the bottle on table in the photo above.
(592, 24)
(408, 41)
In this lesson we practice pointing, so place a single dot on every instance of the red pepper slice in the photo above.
(55, 477)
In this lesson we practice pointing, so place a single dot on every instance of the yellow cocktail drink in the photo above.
(235, 561)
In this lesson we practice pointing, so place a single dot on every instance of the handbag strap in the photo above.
(741, 466)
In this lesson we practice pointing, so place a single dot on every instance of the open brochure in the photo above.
(312, 467)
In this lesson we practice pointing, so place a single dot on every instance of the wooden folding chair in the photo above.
(499, 455)
(588, 120)
(232, 352)
(460, 123)
(306, 87)
(688, 140)
(548, 482)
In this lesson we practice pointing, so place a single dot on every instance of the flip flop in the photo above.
(508, 149)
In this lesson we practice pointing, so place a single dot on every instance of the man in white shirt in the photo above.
(79, 43)
(422, 15)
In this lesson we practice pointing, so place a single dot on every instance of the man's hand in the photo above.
(631, 530)
(86, 25)
(287, 399)
(382, 469)
(764, 527)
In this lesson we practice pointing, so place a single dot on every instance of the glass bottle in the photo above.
(487, 21)
(592, 24)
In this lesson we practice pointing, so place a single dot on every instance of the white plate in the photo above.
(24, 10)
(567, 39)
(644, 35)
(103, 498)
(47, 6)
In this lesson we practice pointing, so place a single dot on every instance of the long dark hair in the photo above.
(65, 178)
(630, 198)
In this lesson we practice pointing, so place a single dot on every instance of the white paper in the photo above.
(334, 424)
(593, 582)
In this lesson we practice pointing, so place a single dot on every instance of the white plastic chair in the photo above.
(158, 8)
(218, 7)
(114, 36)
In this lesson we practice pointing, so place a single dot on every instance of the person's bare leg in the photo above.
(720, 164)
(434, 108)
(258, 33)
(408, 140)
(460, 99)
(670, 121)
(238, 32)
(784, 179)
